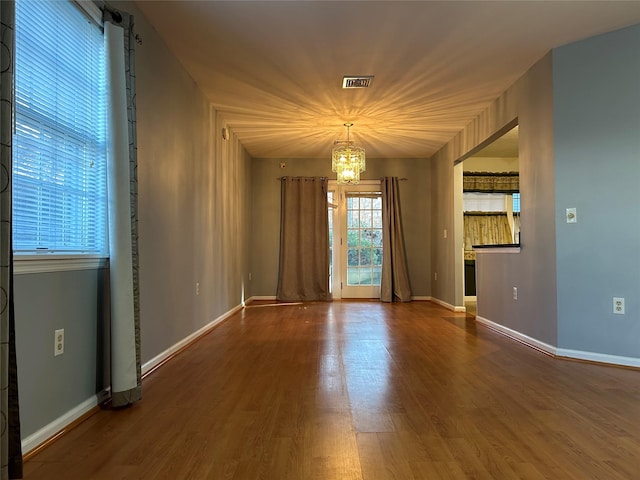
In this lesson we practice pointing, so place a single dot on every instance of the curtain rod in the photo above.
(280, 178)
(304, 178)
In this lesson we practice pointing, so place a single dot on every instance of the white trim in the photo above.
(257, 298)
(58, 425)
(158, 359)
(421, 298)
(470, 298)
(561, 352)
(481, 251)
(598, 357)
(519, 337)
(91, 10)
(448, 306)
(26, 264)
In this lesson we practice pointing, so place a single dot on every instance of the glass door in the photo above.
(360, 241)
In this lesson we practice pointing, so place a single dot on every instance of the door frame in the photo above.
(339, 230)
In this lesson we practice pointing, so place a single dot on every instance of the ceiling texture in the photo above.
(274, 68)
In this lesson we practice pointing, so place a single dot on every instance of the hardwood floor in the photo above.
(361, 390)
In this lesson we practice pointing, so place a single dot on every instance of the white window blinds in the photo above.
(59, 157)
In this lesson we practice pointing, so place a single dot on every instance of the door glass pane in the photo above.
(377, 256)
(377, 218)
(365, 256)
(364, 238)
(352, 219)
(353, 276)
(352, 257)
(377, 273)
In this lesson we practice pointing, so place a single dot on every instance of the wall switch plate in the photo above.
(618, 305)
(572, 216)
(197, 288)
(58, 344)
(515, 293)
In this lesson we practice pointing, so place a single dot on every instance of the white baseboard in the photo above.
(515, 335)
(59, 424)
(448, 306)
(599, 357)
(159, 359)
(561, 352)
(470, 298)
(257, 298)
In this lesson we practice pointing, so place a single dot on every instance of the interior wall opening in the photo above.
(488, 206)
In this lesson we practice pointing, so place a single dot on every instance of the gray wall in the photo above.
(533, 269)
(579, 114)
(44, 302)
(193, 227)
(597, 170)
(193, 203)
(414, 197)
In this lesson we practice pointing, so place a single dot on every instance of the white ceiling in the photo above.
(274, 68)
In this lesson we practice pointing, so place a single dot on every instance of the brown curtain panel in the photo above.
(486, 229)
(10, 442)
(394, 284)
(488, 182)
(304, 240)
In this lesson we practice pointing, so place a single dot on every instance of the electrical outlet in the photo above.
(515, 293)
(445, 233)
(435, 275)
(618, 305)
(197, 288)
(58, 342)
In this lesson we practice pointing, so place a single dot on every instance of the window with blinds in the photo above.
(59, 149)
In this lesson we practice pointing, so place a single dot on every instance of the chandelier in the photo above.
(347, 160)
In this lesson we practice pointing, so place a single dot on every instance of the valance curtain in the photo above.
(126, 381)
(394, 283)
(486, 229)
(304, 240)
(487, 182)
(10, 446)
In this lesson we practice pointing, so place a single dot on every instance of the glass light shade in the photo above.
(348, 175)
(348, 162)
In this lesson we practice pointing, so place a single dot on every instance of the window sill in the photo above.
(503, 248)
(27, 264)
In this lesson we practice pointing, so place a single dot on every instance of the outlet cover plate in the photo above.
(618, 305)
(58, 342)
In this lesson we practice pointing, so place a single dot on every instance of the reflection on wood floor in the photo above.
(361, 390)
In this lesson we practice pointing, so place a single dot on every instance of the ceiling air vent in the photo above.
(361, 81)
